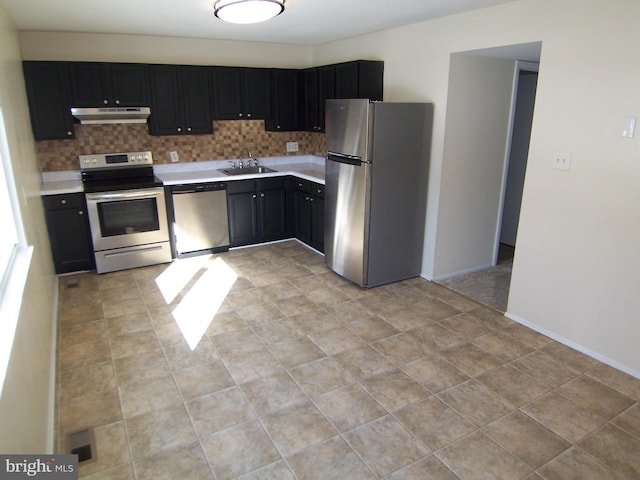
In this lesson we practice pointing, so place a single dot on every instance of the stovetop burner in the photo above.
(117, 171)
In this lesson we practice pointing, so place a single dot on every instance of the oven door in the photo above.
(126, 218)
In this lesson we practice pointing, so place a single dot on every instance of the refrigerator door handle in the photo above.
(342, 158)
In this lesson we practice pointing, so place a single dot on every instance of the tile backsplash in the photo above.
(226, 142)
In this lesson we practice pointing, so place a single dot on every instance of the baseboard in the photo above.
(569, 343)
(478, 268)
(51, 424)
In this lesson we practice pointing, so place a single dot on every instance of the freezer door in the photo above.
(347, 127)
(347, 183)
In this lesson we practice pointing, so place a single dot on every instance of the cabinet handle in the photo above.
(105, 101)
(248, 114)
(179, 129)
(69, 133)
(63, 202)
(262, 195)
(188, 129)
(240, 114)
(254, 196)
(80, 212)
(117, 102)
(311, 199)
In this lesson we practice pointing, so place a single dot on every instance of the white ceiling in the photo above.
(304, 22)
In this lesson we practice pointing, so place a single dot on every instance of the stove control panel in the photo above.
(115, 160)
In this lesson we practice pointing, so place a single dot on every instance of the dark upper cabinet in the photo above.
(318, 86)
(108, 84)
(359, 79)
(69, 233)
(179, 100)
(285, 100)
(241, 93)
(47, 85)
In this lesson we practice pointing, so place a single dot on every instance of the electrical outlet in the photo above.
(562, 160)
(174, 156)
(292, 146)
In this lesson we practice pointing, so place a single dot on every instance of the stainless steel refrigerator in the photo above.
(376, 189)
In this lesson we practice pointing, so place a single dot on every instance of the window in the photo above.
(15, 256)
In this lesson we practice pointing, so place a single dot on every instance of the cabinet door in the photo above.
(346, 80)
(90, 84)
(165, 116)
(317, 223)
(129, 84)
(302, 216)
(326, 90)
(284, 101)
(69, 235)
(273, 214)
(195, 92)
(257, 93)
(243, 218)
(49, 98)
(227, 92)
(310, 105)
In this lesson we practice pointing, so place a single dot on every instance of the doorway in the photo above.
(488, 246)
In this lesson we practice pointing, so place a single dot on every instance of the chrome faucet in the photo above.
(245, 149)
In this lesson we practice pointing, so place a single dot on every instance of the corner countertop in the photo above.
(309, 167)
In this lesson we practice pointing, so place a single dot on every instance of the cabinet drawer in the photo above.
(58, 202)
(302, 185)
(241, 186)
(317, 189)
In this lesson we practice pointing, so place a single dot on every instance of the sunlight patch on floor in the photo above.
(178, 275)
(199, 306)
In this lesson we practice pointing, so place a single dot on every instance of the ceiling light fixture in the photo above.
(247, 11)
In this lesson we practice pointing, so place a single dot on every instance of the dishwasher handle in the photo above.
(198, 187)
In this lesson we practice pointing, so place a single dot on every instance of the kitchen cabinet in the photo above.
(69, 232)
(309, 213)
(318, 86)
(257, 210)
(95, 84)
(241, 93)
(359, 79)
(47, 85)
(179, 100)
(284, 101)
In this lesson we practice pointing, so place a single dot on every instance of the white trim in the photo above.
(446, 276)
(10, 305)
(575, 346)
(51, 423)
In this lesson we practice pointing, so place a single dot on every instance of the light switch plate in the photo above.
(562, 160)
(292, 146)
(174, 156)
(629, 126)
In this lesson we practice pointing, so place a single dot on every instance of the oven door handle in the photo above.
(125, 194)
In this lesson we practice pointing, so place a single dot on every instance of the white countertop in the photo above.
(308, 167)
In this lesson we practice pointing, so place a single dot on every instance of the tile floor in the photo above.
(302, 375)
(490, 286)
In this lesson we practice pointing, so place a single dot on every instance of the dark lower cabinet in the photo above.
(308, 200)
(257, 210)
(69, 232)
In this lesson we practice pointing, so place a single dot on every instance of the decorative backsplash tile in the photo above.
(229, 138)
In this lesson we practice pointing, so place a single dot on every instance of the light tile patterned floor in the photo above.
(303, 375)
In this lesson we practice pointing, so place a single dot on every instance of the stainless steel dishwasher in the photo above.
(201, 222)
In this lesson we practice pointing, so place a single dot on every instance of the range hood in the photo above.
(111, 114)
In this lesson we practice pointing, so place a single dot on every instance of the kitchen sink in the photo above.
(247, 170)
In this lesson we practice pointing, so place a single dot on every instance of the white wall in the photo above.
(473, 165)
(171, 50)
(575, 271)
(26, 400)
